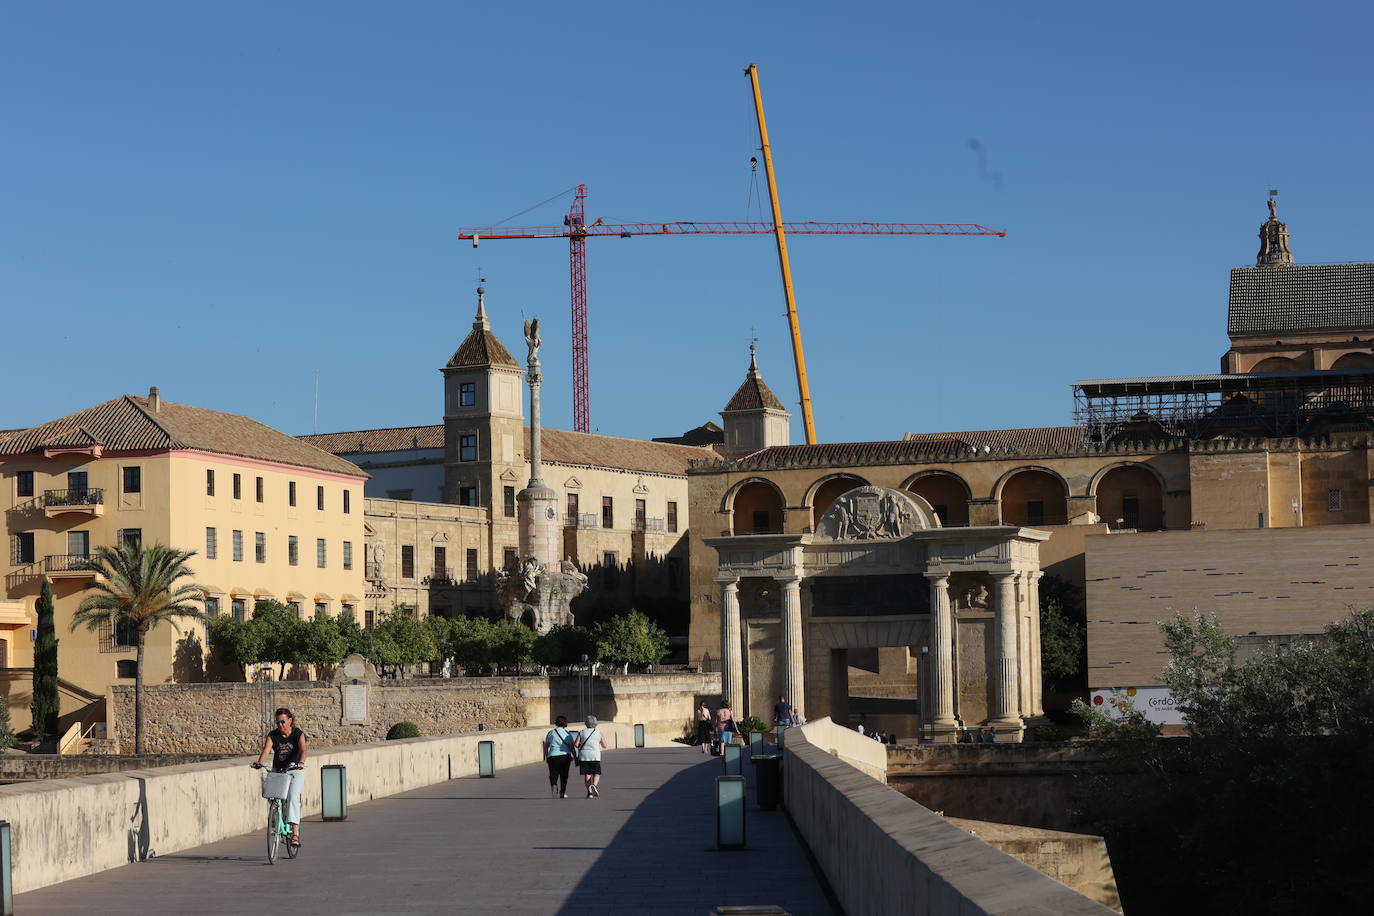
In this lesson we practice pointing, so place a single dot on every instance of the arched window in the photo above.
(758, 509)
(1354, 361)
(946, 493)
(1277, 364)
(828, 492)
(1034, 498)
(1131, 497)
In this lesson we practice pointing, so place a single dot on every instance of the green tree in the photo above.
(565, 646)
(1264, 808)
(354, 636)
(1063, 623)
(235, 642)
(139, 586)
(631, 639)
(282, 635)
(401, 640)
(472, 642)
(324, 641)
(47, 704)
(1117, 718)
(512, 644)
(7, 736)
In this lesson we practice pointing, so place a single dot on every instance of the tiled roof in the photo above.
(1047, 439)
(481, 348)
(128, 423)
(754, 394)
(561, 446)
(394, 439)
(1303, 297)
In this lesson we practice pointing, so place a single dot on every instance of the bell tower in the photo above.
(483, 420)
(754, 417)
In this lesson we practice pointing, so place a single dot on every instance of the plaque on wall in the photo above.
(354, 704)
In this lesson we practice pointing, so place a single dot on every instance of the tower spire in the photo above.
(1273, 233)
(480, 323)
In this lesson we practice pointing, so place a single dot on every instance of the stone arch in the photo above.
(946, 492)
(1354, 361)
(1276, 364)
(1130, 494)
(826, 490)
(756, 506)
(1032, 495)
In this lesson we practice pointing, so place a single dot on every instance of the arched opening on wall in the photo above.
(1130, 496)
(947, 494)
(757, 509)
(1276, 364)
(1033, 497)
(829, 490)
(1354, 361)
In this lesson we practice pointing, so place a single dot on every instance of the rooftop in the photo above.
(132, 423)
(1300, 297)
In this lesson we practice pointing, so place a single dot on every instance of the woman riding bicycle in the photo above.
(288, 747)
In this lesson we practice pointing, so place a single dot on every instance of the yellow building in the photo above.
(267, 515)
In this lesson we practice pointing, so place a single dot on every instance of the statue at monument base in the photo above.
(539, 594)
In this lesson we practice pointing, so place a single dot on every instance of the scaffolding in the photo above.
(1258, 404)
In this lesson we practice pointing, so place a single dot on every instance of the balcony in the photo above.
(68, 566)
(440, 576)
(649, 524)
(89, 501)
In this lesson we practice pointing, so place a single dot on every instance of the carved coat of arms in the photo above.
(872, 513)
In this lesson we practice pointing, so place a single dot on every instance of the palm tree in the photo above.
(137, 587)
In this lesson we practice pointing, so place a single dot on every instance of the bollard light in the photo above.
(734, 765)
(486, 759)
(639, 734)
(334, 792)
(781, 730)
(755, 743)
(729, 812)
(6, 871)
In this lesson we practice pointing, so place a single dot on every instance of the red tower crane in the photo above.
(577, 230)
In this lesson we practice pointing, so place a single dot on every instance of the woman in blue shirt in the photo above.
(558, 746)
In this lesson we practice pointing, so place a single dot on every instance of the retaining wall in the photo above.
(66, 828)
(232, 718)
(883, 853)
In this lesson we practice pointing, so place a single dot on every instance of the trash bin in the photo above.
(768, 780)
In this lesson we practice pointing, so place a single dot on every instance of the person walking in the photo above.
(725, 723)
(558, 753)
(704, 726)
(590, 744)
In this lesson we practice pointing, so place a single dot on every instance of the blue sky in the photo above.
(224, 200)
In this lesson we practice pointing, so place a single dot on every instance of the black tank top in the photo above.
(286, 749)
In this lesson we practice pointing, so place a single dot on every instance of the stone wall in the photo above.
(1025, 784)
(233, 718)
(26, 767)
(882, 853)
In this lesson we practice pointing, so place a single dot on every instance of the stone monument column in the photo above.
(1037, 677)
(541, 536)
(1005, 701)
(941, 658)
(794, 672)
(731, 662)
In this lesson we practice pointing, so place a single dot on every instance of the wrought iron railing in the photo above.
(67, 562)
(87, 496)
(649, 524)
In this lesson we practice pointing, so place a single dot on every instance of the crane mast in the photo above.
(780, 235)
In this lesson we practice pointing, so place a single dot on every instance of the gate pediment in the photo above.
(875, 513)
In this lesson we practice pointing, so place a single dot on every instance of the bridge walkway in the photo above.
(503, 845)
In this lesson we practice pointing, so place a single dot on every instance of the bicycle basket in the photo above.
(275, 785)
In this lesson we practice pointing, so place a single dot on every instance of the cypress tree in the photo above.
(47, 706)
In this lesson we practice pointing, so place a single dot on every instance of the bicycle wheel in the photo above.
(273, 830)
(291, 851)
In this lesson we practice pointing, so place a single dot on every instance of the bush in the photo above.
(1050, 733)
(750, 724)
(403, 730)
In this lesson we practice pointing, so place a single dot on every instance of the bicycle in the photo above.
(274, 788)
